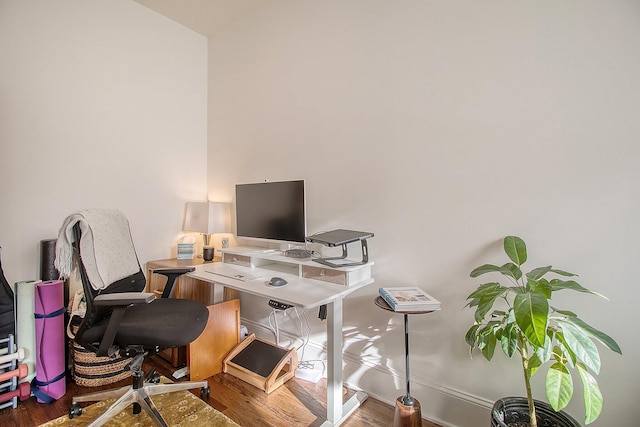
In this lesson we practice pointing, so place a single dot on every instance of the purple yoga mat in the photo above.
(49, 383)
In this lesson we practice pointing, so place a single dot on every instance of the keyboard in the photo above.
(241, 274)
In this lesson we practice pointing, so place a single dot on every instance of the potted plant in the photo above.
(524, 322)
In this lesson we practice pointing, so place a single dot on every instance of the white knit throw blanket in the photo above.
(106, 246)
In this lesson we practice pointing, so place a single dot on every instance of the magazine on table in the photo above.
(409, 298)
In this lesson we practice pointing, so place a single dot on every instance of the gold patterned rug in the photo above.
(178, 409)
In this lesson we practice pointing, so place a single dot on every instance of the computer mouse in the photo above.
(277, 281)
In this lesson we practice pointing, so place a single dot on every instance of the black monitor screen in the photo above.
(271, 210)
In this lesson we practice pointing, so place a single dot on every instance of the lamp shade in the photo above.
(196, 217)
(207, 217)
(219, 218)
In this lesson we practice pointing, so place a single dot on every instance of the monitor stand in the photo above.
(342, 238)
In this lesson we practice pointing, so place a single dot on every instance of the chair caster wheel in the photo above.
(75, 410)
(152, 377)
(205, 392)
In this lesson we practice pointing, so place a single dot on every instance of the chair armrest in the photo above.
(124, 298)
(172, 274)
(165, 271)
(119, 301)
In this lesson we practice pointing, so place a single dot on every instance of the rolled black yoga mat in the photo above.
(47, 257)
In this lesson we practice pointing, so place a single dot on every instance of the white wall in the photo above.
(102, 104)
(442, 127)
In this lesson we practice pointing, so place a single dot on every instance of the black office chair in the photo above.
(120, 319)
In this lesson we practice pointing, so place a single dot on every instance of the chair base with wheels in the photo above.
(138, 395)
(130, 312)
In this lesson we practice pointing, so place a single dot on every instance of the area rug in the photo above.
(178, 409)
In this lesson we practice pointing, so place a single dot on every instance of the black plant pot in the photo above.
(510, 409)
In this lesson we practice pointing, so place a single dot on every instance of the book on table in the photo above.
(409, 298)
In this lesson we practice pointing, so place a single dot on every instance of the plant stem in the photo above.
(527, 381)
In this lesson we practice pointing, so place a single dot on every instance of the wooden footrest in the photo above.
(261, 364)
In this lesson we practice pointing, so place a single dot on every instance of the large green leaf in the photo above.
(487, 343)
(538, 273)
(532, 310)
(592, 395)
(581, 345)
(558, 285)
(559, 386)
(600, 336)
(484, 297)
(470, 336)
(568, 353)
(509, 339)
(473, 302)
(515, 249)
(511, 270)
(486, 268)
(487, 289)
(562, 273)
(565, 312)
(490, 347)
(540, 285)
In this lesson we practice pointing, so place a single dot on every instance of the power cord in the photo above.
(306, 364)
(304, 338)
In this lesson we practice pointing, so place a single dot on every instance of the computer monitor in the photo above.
(272, 211)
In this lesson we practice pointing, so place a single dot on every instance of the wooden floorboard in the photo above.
(296, 403)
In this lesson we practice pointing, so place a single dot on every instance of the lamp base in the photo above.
(405, 415)
(207, 253)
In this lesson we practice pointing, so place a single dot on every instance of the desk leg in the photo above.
(337, 411)
(334, 361)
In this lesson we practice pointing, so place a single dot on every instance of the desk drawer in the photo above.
(324, 274)
(241, 260)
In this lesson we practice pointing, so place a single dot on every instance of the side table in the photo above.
(407, 413)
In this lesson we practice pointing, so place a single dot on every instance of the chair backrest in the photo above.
(133, 283)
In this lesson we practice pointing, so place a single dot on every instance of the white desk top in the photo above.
(305, 293)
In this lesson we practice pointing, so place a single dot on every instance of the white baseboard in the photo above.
(443, 405)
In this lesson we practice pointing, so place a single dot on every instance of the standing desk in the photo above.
(307, 294)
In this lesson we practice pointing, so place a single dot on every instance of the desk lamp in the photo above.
(207, 218)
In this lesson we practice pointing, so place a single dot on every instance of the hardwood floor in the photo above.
(297, 403)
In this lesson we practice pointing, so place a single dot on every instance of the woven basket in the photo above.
(92, 371)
